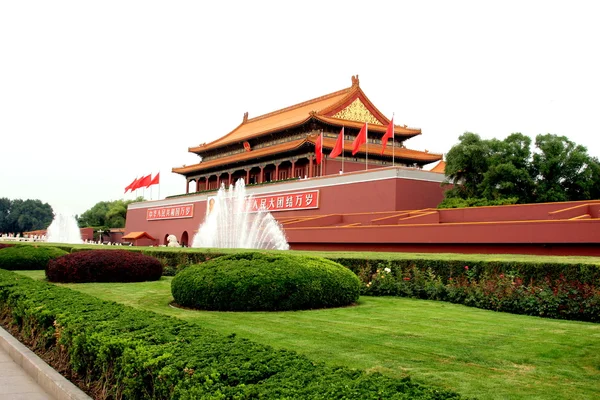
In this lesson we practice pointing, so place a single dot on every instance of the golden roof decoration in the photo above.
(357, 111)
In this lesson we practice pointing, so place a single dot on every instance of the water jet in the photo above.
(231, 223)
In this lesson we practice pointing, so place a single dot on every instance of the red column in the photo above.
(276, 172)
(247, 176)
(218, 181)
(293, 175)
(187, 186)
(229, 183)
(197, 184)
(310, 166)
(262, 174)
(206, 186)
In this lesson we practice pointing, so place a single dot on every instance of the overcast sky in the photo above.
(93, 94)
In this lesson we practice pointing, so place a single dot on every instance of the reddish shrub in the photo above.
(4, 245)
(104, 266)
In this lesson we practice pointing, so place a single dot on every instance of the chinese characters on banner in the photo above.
(170, 212)
(286, 202)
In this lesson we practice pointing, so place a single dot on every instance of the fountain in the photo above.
(230, 223)
(64, 229)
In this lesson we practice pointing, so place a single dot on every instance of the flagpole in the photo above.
(321, 150)
(393, 141)
(159, 185)
(367, 143)
(343, 138)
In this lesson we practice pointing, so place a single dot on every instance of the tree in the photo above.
(4, 212)
(509, 170)
(562, 169)
(504, 171)
(106, 214)
(465, 165)
(19, 215)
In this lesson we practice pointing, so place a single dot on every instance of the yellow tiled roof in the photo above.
(321, 108)
(439, 168)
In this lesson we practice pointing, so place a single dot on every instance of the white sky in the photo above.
(93, 94)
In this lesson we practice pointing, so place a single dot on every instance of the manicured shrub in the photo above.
(28, 257)
(120, 352)
(5, 245)
(104, 266)
(485, 287)
(259, 281)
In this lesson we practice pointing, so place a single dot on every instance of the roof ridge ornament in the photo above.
(355, 80)
(245, 117)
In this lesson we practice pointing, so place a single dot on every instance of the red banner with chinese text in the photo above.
(170, 212)
(286, 202)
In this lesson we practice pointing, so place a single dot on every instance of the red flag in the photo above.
(136, 184)
(143, 182)
(319, 148)
(155, 180)
(389, 134)
(360, 139)
(339, 145)
(129, 187)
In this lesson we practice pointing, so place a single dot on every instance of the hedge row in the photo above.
(104, 266)
(28, 257)
(121, 352)
(562, 291)
(452, 269)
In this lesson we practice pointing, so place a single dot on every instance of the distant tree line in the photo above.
(489, 172)
(18, 216)
(106, 214)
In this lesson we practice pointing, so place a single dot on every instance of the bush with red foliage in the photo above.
(104, 266)
(4, 245)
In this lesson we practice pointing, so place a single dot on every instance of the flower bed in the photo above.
(550, 295)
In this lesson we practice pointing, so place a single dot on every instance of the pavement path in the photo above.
(25, 376)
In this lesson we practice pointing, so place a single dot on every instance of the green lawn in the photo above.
(478, 353)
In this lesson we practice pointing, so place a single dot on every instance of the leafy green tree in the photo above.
(4, 212)
(595, 184)
(500, 171)
(19, 215)
(562, 169)
(106, 214)
(509, 171)
(465, 165)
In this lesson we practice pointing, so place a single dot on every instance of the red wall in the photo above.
(517, 212)
(361, 197)
(136, 222)
(334, 165)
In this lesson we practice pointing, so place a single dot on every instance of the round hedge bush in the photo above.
(104, 266)
(28, 257)
(265, 282)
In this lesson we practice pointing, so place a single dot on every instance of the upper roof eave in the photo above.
(209, 146)
(188, 169)
(398, 130)
(422, 157)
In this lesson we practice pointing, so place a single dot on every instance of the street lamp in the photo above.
(100, 231)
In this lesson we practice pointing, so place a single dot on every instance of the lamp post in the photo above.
(100, 231)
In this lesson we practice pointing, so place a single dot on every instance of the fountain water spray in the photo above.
(64, 229)
(231, 223)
